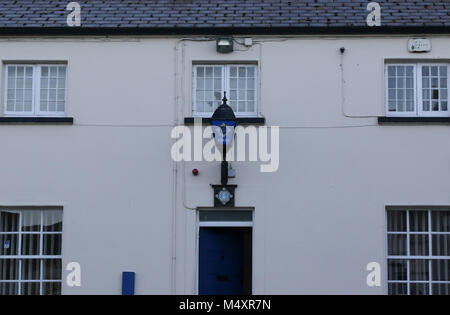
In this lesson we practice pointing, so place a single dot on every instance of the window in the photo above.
(239, 81)
(30, 251)
(418, 244)
(35, 90)
(417, 89)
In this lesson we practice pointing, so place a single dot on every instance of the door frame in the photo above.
(223, 224)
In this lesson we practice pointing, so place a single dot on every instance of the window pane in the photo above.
(53, 71)
(217, 72)
(242, 72)
(441, 245)
(9, 244)
(52, 269)
(52, 106)
(209, 84)
(19, 88)
(418, 221)
(233, 83)
(208, 88)
(29, 83)
(208, 72)
(52, 221)
(9, 221)
(31, 221)
(435, 106)
(419, 289)
(251, 106)
(52, 89)
(397, 245)
(233, 72)
(8, 288)
(396, 221)
(440, 221)
(441, 289)
(9, 269)
(51, 244)
(60, 106)
(419, 245)
(441, 270)
(419, 270)
(434, 84)
(398, 289)
(20, 71)
(200, 71)
(44, 106)
(243, 91)
(52, 94)
(51, 288)
(401, 92)
(392, 71)
(31, 269)
(30, 288)
(62, 71)
(30, 244)
(44, 71)
(397, 269)
(62, 83)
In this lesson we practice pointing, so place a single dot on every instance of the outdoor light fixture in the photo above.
(224, 45)
(223, 123)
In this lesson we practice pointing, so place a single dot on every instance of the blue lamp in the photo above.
(223, 122)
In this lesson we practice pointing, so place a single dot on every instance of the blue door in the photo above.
(221, 261)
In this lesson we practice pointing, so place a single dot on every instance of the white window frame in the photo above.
(39, 257)
(408, 257)
(225, 87)
(36, 91)
(418, 102)
(420, 111)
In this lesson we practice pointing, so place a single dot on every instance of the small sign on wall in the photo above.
(419, 45)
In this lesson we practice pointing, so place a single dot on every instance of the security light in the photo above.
(224, 45)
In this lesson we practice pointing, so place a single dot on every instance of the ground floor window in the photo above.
(418, 245)
(30, 251)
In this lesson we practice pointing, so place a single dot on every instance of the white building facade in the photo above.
(88, 174)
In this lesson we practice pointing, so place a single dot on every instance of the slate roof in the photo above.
(198, 15)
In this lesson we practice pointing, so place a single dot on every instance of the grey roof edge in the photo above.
(174, 31)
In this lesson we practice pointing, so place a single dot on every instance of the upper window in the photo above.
(239, 81)
(417, 89)
(35, 90)
(418, 246)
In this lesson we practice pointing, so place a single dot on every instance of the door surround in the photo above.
(224, 223)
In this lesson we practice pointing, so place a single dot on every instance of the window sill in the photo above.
(240, 120)
(414, 120)
(37, 120)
